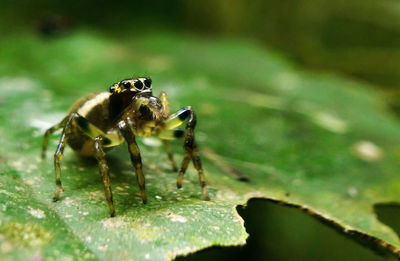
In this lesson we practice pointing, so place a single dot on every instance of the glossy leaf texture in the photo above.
(265, 129)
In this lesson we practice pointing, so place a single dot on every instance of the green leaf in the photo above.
(314, 141)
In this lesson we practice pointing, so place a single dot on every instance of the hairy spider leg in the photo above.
(59, 155)
(134, 152)
(49, 132)
(164, 101)
(189, 145)
(104, 172)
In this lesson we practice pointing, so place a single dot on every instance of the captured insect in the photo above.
(99, 121)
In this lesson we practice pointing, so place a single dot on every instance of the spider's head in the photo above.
(140, 85)
(123, 94)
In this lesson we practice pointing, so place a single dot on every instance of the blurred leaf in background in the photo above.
(359, 38)
(312, 140)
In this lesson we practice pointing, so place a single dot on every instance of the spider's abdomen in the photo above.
(94, 112)
(95, 108)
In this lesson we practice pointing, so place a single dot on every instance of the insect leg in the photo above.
(59, 154)
(104, 172)
(135, 155)
(49, 132)
(190, 147)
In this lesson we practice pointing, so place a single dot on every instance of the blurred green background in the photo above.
(359, 39)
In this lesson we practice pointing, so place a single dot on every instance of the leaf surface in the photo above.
(314, 141)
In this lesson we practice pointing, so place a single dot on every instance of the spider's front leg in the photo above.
(129, 136)
(190, 147)
(104, 172)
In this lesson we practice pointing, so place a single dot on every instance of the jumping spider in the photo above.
(99, 121)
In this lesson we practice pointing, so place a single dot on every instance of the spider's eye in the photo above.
(112, 88)
(147, 82)
(126, 84)
(138, 84)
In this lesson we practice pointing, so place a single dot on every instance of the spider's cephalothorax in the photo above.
(100, 121)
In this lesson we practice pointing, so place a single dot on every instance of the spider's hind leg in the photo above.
(58, 155)
(50, 131)
(189, 145)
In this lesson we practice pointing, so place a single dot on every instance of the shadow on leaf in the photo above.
(280, 232)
